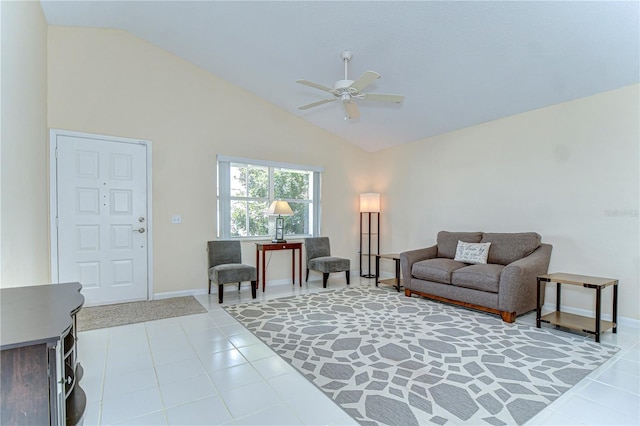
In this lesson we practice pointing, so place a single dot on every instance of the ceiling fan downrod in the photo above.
(346, 56)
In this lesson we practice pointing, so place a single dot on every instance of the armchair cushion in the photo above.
(232, 273)
(329, 264)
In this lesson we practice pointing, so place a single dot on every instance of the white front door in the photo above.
(102, 218)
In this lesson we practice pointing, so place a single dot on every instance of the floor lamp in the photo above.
(369, 205)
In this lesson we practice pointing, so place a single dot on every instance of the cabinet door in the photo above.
(25, 386)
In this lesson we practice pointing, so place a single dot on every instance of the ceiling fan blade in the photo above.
(314, 85)
(364, 80)
(351, 109)
(383, 98)
(315, 104)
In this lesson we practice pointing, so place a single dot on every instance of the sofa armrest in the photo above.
(518, 281)
(408, 258)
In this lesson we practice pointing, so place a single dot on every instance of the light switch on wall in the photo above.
(176, 219)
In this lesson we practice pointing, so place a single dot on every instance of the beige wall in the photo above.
(24, 188)
(569, 172)
(112, 83)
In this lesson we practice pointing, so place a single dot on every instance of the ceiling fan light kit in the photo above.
(348, 90)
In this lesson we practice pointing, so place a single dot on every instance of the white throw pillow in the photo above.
(475, 253)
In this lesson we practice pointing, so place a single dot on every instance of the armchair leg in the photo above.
(209, 286)
(307, 279)
(254, 286)
(239, 286)
(348, 274)
(220, 295)
(325, 277)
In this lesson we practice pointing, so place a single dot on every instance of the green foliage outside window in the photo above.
(250, 189)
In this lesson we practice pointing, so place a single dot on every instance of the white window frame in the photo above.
(224, 193)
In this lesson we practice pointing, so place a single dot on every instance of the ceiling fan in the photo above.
(348, 90)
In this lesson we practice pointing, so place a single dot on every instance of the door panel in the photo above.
(101, 211)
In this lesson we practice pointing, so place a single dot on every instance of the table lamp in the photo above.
(280, 208)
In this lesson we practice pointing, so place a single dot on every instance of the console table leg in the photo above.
(293, 266)
(300, 266)
(264, 276)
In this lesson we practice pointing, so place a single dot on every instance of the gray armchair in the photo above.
(319, 259)
(225, 266)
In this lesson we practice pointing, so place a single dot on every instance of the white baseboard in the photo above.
(214, 289)
(622, 321)
(182, 293)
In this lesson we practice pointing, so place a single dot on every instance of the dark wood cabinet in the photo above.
(39, 372)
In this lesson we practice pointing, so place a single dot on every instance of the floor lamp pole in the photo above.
(360, 252)
(369, 250)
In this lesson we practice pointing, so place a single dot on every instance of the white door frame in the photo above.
(53, 198)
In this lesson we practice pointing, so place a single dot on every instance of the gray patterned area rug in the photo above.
(104, 316)
(389, 359)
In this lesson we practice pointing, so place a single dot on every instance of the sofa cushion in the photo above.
(509, 247)
(438, 270)
(448, 241)
(475, 253)
(478, 277)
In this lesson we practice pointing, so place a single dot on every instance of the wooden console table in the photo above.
(265, 247)
(578, 322)
(39, 372)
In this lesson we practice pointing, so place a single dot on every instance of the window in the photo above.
(247, 187)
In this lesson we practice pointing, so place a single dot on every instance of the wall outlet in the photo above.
(176, 219)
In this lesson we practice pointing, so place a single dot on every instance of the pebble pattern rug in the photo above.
(389, 359)
(104, 316)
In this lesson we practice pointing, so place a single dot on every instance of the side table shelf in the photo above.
(395, 282)
(595, 326)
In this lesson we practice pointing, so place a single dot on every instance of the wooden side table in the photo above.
(578, 322)
(397, 281)
(264, 247)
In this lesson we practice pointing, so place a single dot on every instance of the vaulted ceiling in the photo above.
(458, 64)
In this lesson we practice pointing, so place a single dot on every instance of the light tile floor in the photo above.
(208, 369)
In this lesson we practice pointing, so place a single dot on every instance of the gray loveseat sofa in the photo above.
(506, 285)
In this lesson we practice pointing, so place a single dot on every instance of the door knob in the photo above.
(141, 230)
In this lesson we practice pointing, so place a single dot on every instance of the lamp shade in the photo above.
(370, 202)
(280, 208)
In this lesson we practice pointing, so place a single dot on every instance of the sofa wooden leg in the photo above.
(307, 279)
(348, 276)
(325, 277)
(508, 316)
(407, 292)
(254, 286)
(220, 293)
